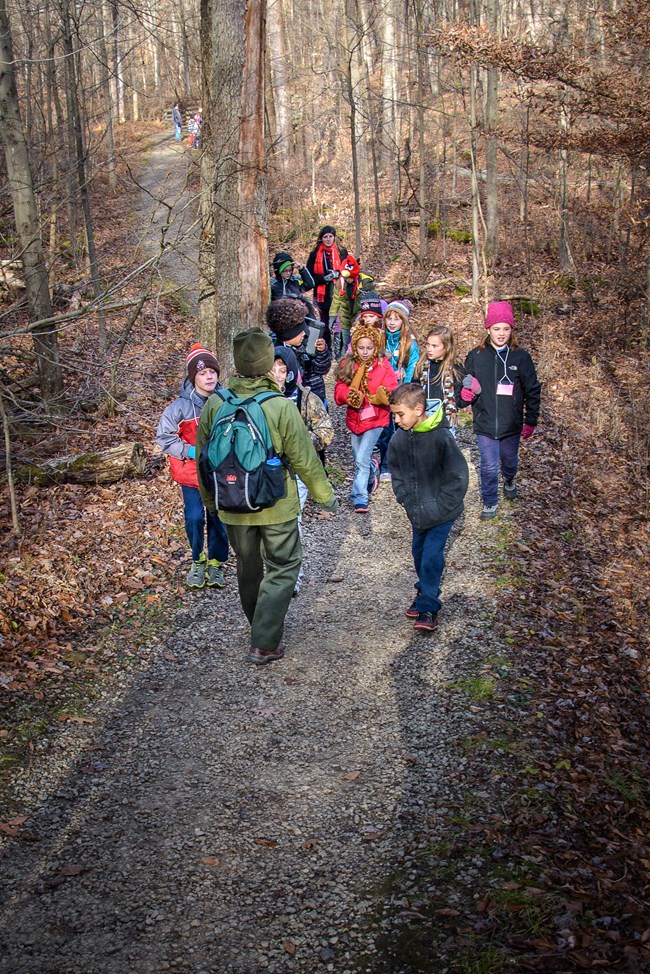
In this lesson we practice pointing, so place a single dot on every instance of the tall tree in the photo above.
(234, 104)
(27, 222)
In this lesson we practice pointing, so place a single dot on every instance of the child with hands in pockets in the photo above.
(365, 380)
(502, 387)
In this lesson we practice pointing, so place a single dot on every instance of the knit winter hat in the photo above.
(365, 331)
(371, 304)
(403, 307)
(253, 352)
(199, 358)
(325, 230)
(499, 313)
(281, 261)
(286, 318)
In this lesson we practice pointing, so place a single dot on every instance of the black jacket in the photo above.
(319, 278)
(501, 416)
(314, 368)
(295, 287)
(429, 476)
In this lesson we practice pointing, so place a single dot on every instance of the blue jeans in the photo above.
(362, 446)
(177, 129)
(428, 550)
(384, 440)
(494, 452)
(195, 518)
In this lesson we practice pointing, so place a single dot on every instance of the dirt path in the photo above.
(217, 817)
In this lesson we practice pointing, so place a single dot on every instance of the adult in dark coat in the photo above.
(324, 265)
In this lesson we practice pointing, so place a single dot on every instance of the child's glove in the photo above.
(191, 452)
(527, 431)
(381, 397)
(471, 389)
(355, 398)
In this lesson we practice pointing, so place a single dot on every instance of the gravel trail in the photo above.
(221, 817)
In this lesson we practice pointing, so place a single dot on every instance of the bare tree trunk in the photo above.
(236, 48)
(280, 84)
(27, 223)
(491, 171)
(108, 100)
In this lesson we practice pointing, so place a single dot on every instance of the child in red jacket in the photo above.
(176, 436)
(365, 380)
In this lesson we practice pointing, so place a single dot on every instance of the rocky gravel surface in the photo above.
(220, 817)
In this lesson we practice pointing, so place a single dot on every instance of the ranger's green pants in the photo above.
(268, 561)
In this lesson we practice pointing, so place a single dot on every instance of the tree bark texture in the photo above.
(238, 179)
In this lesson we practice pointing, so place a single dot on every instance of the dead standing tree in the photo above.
(233, 249)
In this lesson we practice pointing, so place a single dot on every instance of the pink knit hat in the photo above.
(499, 313)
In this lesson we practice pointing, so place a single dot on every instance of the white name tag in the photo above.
(505, 389)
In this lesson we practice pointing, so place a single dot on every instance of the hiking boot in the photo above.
(214, 575)
(373, 476)
(261, 656)
(426, 621)
(412, 612)
(510, 489)
(196, 574)
(488, 512)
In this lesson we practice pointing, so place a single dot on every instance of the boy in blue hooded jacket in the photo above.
(429, 478)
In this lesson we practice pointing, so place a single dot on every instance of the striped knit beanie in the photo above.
(199, 358)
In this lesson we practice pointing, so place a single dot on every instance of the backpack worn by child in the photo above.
(238, 463)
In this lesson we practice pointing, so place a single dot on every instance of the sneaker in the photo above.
(196, 574)
(488, 512)
(412, 612)
(361, 509)
(426, 621)
(373, 476)
(214, 575)
(385, 475)
(510, 489)
(261, 656)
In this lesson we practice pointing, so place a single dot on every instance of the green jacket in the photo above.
(290, 439)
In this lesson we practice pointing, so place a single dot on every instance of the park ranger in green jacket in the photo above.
(267, 543)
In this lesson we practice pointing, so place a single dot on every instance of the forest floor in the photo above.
(380, 801)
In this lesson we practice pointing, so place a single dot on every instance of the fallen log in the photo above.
(102, 467)
(405, 290)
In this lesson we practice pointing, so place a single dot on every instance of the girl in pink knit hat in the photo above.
(502, 387)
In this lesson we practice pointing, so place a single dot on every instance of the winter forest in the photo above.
(475, 801)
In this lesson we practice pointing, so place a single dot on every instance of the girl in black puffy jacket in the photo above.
(502, 387)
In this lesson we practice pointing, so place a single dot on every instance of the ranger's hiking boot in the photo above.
(262, 656)
(214, 574)
(196, 574)
(510, 489)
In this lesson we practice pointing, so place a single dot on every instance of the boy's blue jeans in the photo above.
(362, 446)
(429, 557)
(494, 452)
(177, 130)
(195, 519)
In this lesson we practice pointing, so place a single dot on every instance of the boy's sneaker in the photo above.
(373, 477)
(360, 508)
(510, 489)
(488, 512)
(196, 574)
(214, 574)
(426, 621)
(412, 612)
(385, 475)
(261, 656)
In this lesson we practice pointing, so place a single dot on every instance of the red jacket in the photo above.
(380, 373)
